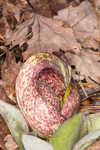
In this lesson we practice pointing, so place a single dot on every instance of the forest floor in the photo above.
(31, 26)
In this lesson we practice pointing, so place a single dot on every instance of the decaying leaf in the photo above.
(62, 32)
(82, 19)
(11, 14)
(3, 94)
(44, 34)
(9, 71)
(87, 64)
(2, 145)
(94, 146)
(10, 143)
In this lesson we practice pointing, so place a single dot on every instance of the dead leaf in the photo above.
(90, 43)
(94, 146)
(3, 94)
(96, 3)
(44, 34)
(3, 128)
(9, 71)
(47, 8)
(10, 144)
(82, 19)
(10, 15)
(2, 146)
(3, 132)
(87, 64)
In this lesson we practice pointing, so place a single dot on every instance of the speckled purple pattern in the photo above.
(42, 109)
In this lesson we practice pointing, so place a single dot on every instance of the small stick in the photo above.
(91, 93)
(93, 80)
(28, 2)
(84, 91)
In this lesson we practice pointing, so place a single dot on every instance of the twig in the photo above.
(93, 80)
(31, 5)
(93, 92)
(83, 89)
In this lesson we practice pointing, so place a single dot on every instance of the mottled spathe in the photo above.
(40, 89)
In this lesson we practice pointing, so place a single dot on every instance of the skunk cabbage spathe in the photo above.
(45, 93)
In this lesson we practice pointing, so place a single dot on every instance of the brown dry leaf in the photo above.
(3, 132)
(2, 146)
(44, 34)
(82, 19)
(62, 32)
(10, 92)
(96, 4)
(3, 94)
(48, 8)
(72, 23)
(10, 15)
(87, 64)
(87, 101)
(3, 128)
(9, 71)
(90, 43)
(10, 143)
(7, 19)
(91, 109)
(94, 146)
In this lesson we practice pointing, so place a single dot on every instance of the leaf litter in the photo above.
(73, 27)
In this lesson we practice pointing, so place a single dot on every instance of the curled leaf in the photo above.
(87, 140)
(33, 143)
(45, 93)
(67, 135)
(15, 121)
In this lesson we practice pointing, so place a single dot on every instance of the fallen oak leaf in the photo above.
(3, 94)
(86, 64)
(10, 15)
(2, 37)
(11, 94)
(2, 145)
(10, 143)
(82, 19)
(94, 146)
(43, 34)
(9, 71)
